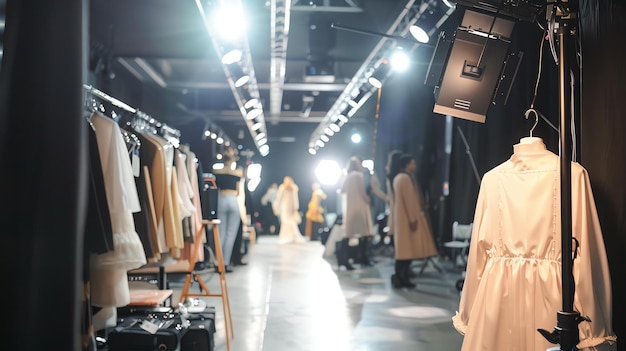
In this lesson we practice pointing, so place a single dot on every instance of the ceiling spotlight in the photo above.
(254, 113)
(251, 103)
(312, 151)
(262, 141)
(242, 81)
(257, 126)
(213, 136)
(342, 118)
(320, 143)
(400, 60)
(356, 138)
(207, 133)
(329, 131)
(232, 57)
(335, 128)
(264, 150)
(324, 138)
(449, 3)
(375, 82)
(220, 140)
(259, 136)
(419, 34)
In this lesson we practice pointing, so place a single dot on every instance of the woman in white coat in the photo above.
(287, 208)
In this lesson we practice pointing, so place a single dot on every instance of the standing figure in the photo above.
(412, 233)
(357, 216)
(287, 208)
(315, 210)
(227, 180)
(270, 220)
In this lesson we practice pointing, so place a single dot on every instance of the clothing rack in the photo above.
(145, 118)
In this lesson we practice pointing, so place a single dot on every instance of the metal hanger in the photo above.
(536, 119)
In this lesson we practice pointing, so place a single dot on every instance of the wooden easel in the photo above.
(223, 294)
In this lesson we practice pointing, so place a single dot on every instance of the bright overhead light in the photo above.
(251, 103)
(254, 113)
(329, 131)
(335, 128)
(320, 143)
(262, 141)
(220, 140)
(356, 138)
(259, 136)
(242, 81)
(312, 151)
(324, 138)
(342, 118)
(449, 3)
(400, 60)
(328, 172)
(375, 82)
(419, 34)
(257, 126)
(264, 150)
(232, 56)
(230, 21)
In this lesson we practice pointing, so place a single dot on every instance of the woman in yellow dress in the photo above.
(315, 211)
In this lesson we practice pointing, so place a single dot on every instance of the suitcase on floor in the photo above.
(130, 336)
(199, 336)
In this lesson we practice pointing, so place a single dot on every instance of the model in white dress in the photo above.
(287, 207)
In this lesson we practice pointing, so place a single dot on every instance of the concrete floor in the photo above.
(289, 297)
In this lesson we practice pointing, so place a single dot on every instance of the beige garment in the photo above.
(408, 207)
(357, 216)
(176, 241)
(513, 281)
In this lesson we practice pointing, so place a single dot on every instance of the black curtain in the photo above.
(43, 179)
(603, 121)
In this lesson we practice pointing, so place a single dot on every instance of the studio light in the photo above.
(242, 81)
(324, 138)
(419, 34)
(254, 113)
(375, 82)
(400, 60)
(312, 151)
(356, 138)
(232, 56)
(474, 66)
(251, 103)
(335, 128)
(328, 172)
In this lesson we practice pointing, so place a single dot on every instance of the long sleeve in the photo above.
(477, 258)
(591, 271)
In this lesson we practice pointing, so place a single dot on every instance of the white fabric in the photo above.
(185, 190)
(513, 280)
(108, 270)
(287, 205)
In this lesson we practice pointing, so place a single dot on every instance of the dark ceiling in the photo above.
(164, 47)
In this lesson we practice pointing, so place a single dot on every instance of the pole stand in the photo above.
(566, 331)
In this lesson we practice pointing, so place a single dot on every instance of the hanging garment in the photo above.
(513, 280)
(153, 157)
(108, 270)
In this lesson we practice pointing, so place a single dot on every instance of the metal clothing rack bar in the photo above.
(139, 114)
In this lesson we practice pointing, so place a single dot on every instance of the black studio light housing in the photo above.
(475, 69)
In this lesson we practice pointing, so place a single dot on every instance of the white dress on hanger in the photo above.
(109, 282)
(513, 280)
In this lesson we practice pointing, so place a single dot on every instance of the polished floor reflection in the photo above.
(291, 298)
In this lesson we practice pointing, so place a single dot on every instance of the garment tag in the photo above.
(149, 327)
(136, 163)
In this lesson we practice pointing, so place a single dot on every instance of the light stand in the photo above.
(565, 333)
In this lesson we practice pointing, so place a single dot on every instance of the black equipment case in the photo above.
(128, 335)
